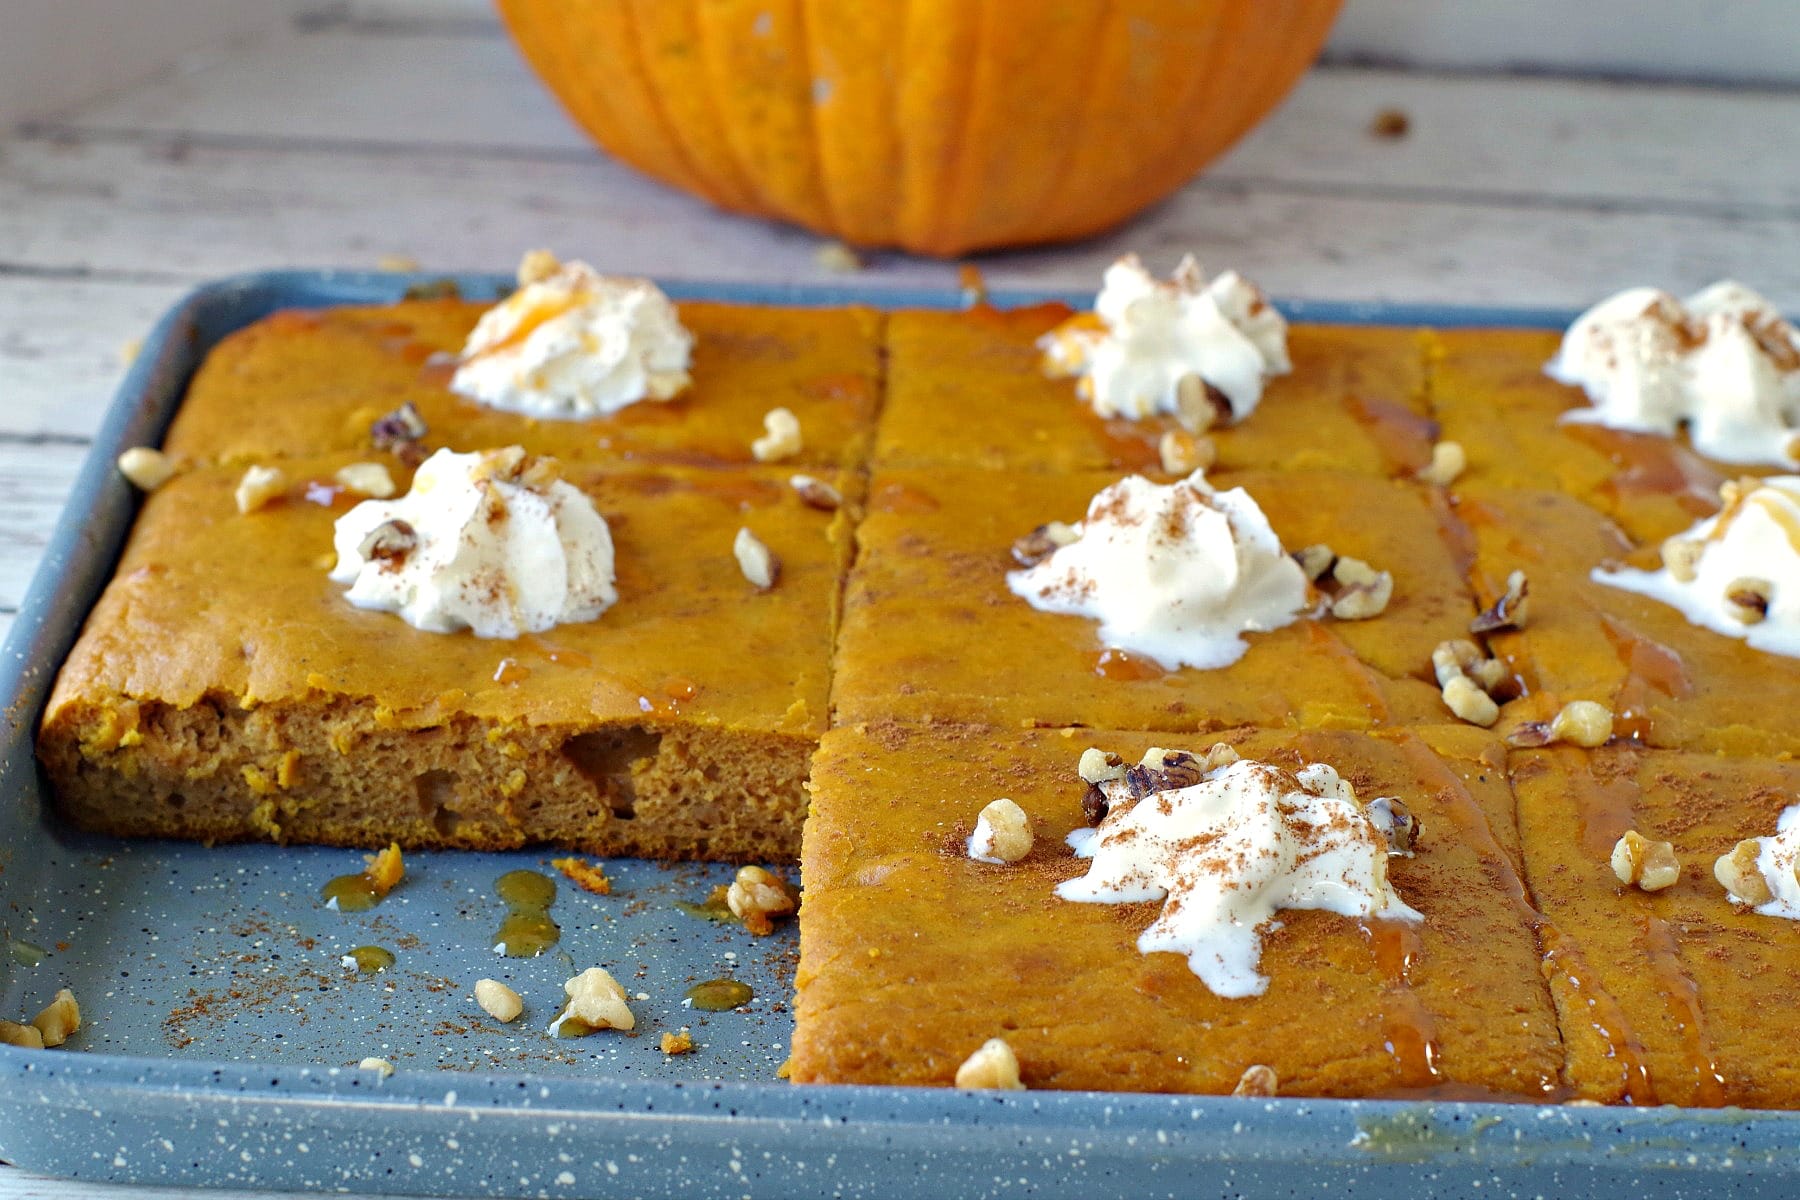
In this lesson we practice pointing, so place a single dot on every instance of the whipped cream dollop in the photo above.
(1145, 337)
(1723, 363)
(1225, 852)
(1737, 572)
(571, 342)
(1176, 572)
(493, 542)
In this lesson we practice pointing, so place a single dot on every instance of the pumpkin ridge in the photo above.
(712, 82)
(731, 185)
(943, 240)
(809, 47)
(1060, 180)
(633, 39)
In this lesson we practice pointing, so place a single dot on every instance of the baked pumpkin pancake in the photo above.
(1489, 393)
(317, 381)
(1676, 974)
(1668, 682)
(913, 954)
(226, 688)
(968, 389)
(932, 631)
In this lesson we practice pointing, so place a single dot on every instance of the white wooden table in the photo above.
(338, 143)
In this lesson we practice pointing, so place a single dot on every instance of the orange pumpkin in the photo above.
(939, 126)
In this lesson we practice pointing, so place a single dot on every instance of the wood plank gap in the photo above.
(44, 439)
(1498, 198)
(178, 142)
(86, 274)
(1219, 179)
(1527, 72)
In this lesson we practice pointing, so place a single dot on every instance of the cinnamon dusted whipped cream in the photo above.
(1177, 572)
(1723, 363)
(1738, 572)
(493, 542)
(571, 342)
(1227, 851)
(1197, 350)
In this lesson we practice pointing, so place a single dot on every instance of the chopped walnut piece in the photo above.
(836, 256)
(1583, 723)
(1098, 766)
(1390, 124)
(1508, 612)
(596, 1002)
(260, 487)
(1681, 556)
(1315, 561)
(816, 493)
(781, 436)
(1182, 453)
(1650, 865)
(1465, 698)
(380, 1066)
(1747, 599)
(1395, 821)
(385, 869)
(498, 1001)
(756, 897)
(1448, 460)
(1454, 657)
(589, 877)
(1173, 769)
(59, 1019)
(147, 469)
(1742, 876)
(1042, 542)
(1365, 592)
(1095, 804)
(1256, 1081)
(400, 433)
(1221, 754)
(1199, 405)
(366, 479)
(1002, 833)
(536, 266)
(994, 1066)
(26, 1037)
(756, 561)
(679, 1042)
(389, 543)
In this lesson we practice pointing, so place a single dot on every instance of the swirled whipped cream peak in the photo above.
(1198, 351)
(1225, 843)
(571, 342)
(1724, 364)
(1173, 572)
(1738, 571)
(494, 542)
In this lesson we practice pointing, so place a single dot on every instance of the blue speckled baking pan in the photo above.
(224, 1028)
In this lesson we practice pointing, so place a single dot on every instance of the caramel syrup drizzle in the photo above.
(1409, 1031)
(1561, 955)
(1604, 810)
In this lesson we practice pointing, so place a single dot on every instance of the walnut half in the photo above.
(1649, 865)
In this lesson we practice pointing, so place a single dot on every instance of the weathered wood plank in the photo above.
(63, 347)
(35, 481)
(212, 210)
(1538, 139)
(34, 484)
